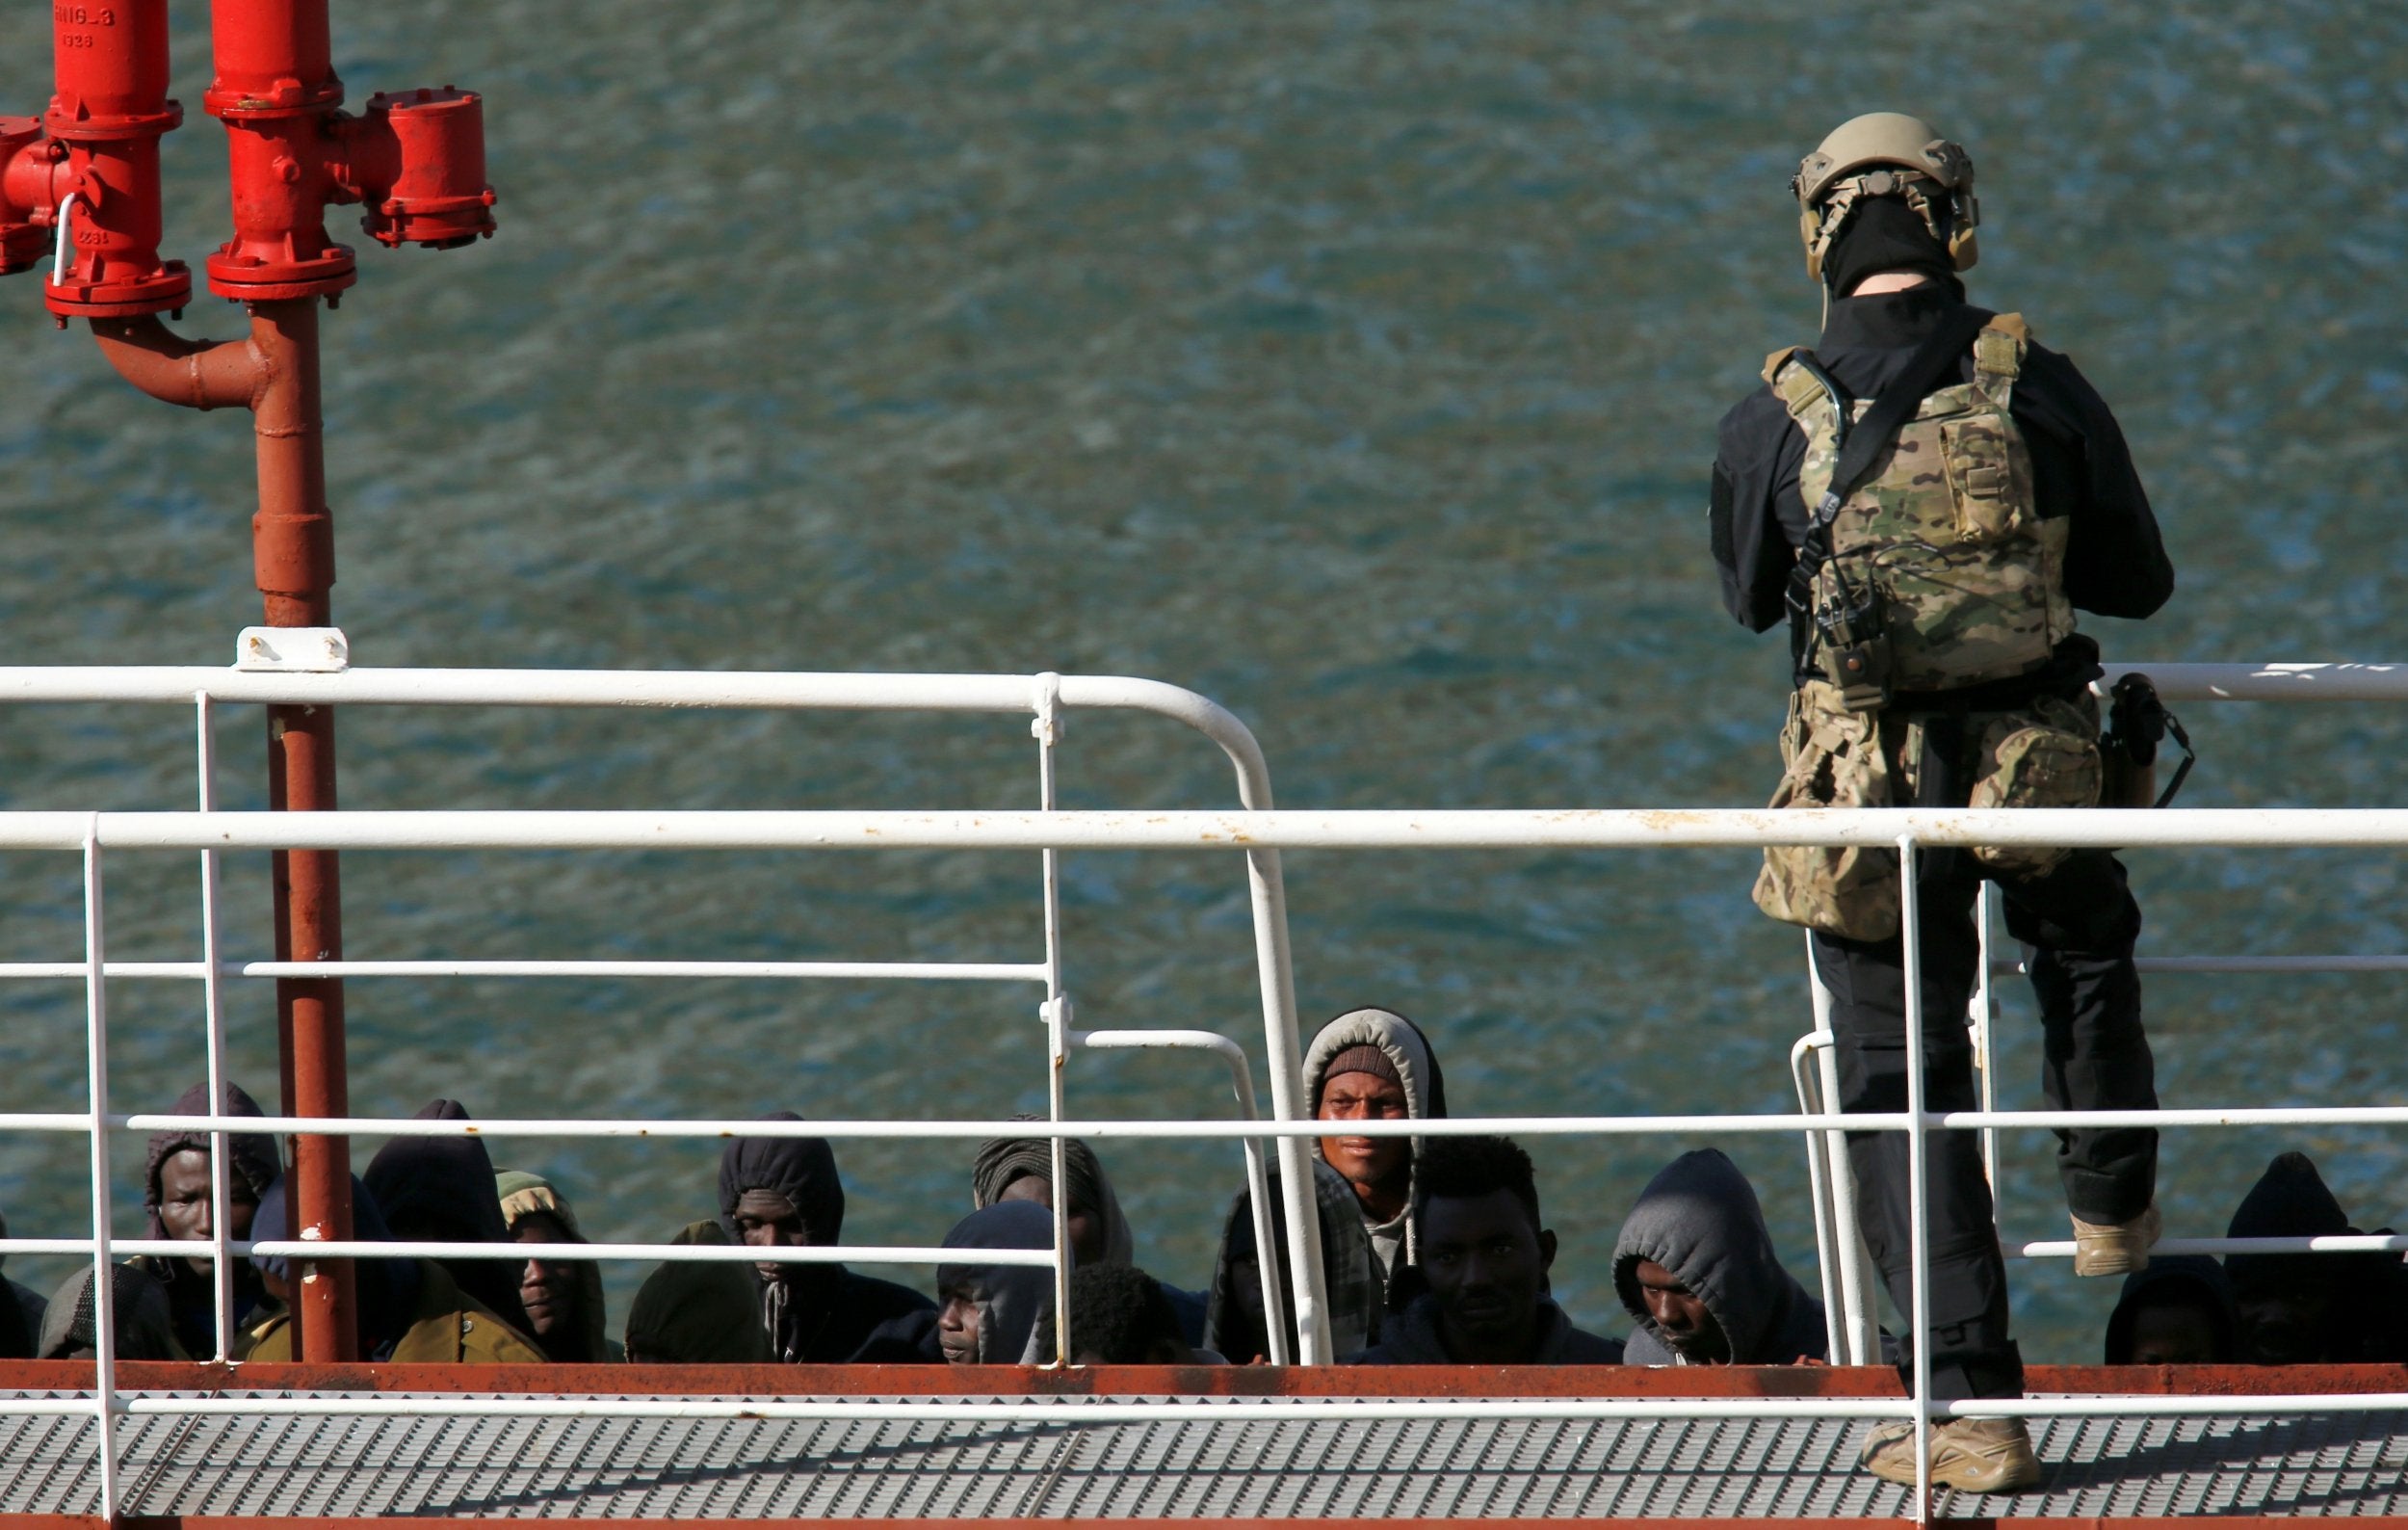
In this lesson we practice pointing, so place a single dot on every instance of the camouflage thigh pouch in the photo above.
(2042, 756)
(1831, 758)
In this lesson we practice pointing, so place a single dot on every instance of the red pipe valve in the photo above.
(25, 161)
(109, 112)
(419, 166)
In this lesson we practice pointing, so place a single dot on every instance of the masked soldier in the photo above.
(1926, 498)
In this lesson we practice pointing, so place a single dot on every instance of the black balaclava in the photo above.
(1885, 234)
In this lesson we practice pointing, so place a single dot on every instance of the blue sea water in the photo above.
(1355, 364)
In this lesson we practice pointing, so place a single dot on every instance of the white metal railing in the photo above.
(1258, 833)
(261, 677)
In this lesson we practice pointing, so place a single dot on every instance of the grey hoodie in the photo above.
(1699, 1219)
(1425, 1100)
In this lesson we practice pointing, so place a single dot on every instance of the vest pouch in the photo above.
(2045, 755)
(1990, 505)
(1832, 757)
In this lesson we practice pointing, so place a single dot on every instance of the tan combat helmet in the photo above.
(1885, 154)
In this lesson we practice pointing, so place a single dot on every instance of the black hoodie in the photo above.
(1413, 1337)
(2171, 1278)
(1699, 1219)
(440, 1190)
(21, 1310)
(818, 1313)
(251, 1160)
(2364, 1301)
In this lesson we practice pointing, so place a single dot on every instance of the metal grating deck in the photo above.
(588, 1467)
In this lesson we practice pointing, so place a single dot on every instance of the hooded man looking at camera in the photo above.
(1375, 1065)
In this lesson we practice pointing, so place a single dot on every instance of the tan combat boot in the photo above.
(2115, 1247)
(1971, 1455)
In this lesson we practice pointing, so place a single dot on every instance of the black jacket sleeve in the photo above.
(2115, 562)
(1753, 518)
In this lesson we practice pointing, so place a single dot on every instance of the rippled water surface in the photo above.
(1354, 363)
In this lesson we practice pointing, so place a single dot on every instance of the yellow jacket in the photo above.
(446, 1327)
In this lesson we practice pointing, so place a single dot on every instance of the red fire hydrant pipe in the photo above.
(275, 90)
(416, 161)
(197, 374)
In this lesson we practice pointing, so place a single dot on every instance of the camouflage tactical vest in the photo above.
(1945, 528)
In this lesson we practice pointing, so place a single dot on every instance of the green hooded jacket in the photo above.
(522, 1195)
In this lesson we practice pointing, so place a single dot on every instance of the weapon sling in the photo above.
(1932, 366)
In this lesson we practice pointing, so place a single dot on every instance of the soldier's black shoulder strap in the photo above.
(1932, 367)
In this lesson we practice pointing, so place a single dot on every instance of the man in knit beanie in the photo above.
(1375, 1065)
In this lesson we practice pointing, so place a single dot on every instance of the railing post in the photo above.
(1284, 1054)
(1826, 1246)
(1983, 1022)
(103, 1271)
(1046, 728)
(213, 1004)
(1918, 1170)
(1257, 1176)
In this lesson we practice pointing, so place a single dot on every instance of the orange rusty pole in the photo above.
(293, 555)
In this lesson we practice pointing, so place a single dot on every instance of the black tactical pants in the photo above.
(2081, 922)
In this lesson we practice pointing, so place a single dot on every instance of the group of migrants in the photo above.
(1924, 498)
(1435, 1250)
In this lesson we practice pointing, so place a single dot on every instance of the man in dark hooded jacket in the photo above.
(1696, 1268)
(2312, 1308)
(1022, 1168)
(996, 1314)
(2178, 1311)
(440, 1190)
(177, 1200)
(1485, 1251)
(985, 1313)
(563, 1298)
(697, 1314)
(783, 1192)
